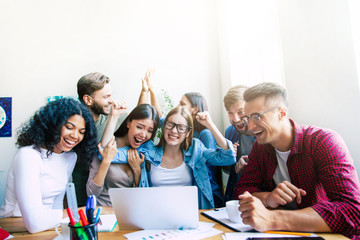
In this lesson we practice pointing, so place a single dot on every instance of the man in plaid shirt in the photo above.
(299, 178)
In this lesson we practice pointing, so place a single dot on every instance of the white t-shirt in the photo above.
(179, 176)
(281, 173)
(35, 187)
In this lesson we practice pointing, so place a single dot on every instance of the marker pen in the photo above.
(88, 231)
(79, 231)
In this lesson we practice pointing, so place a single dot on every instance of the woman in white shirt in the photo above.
(49, 145)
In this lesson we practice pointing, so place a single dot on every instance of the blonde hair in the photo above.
(271, 91)
(233, 95)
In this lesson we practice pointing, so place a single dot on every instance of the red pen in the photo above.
(83, 217)
(71, 216)
(80, 232)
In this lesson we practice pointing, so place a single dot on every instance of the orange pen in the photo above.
(289, 233)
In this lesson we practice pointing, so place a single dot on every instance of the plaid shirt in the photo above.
(319, 163)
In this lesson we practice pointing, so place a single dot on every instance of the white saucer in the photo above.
(59, 238)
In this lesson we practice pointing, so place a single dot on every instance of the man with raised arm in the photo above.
(299, 178)
(95, 93)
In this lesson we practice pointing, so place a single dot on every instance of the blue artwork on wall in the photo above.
(54, 98)
(5, 116)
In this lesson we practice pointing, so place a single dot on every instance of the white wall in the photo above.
(320, 67)
(310, 46)
(46, 46)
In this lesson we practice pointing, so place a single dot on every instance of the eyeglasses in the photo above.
(181, 128)
(255, 117)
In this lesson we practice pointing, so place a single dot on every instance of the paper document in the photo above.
(244, 236)
(108, 223)
(205, 230)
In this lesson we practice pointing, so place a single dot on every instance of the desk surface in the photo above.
(15, 226)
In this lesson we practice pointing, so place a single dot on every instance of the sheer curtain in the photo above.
(250, 44)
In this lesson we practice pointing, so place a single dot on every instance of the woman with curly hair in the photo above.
(49, 144)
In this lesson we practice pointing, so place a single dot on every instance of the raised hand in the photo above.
(146, 81)
(108, 153)
(204, 119)
(284, 193)
(118, 108)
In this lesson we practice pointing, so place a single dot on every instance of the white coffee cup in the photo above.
(232, 208)
(65, 230)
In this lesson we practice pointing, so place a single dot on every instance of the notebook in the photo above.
(220, 215)
(108, 223)
(156, 207)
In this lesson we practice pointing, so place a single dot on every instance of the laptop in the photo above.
(156, 207)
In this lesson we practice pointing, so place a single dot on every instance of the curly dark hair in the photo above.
(43, 130)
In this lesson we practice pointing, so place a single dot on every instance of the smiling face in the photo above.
(235, 112)
(268, 129)
(185, 103)
(173, 137)
(72, 133)
(140, 131)
(102, 100)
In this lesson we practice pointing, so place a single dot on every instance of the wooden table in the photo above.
(16, 227)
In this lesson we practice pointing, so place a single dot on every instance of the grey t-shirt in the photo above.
(116, 177)
(101, 124)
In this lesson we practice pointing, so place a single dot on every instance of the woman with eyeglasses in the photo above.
(179, 159)
(195, 103)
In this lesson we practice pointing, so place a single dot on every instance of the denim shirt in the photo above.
(196, 158)
(206, 137)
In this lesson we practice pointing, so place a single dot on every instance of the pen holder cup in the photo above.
(84, 232)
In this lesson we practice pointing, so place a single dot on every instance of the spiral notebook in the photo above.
(108, 223)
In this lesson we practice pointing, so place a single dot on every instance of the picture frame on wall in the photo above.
(5, 116)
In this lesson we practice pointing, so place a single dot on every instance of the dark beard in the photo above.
(97, 109)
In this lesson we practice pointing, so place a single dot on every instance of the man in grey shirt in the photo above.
(95, 92)
(238, 134)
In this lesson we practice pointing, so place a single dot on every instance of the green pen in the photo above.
(80, 232)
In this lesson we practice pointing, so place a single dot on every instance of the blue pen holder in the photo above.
(88, 232)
